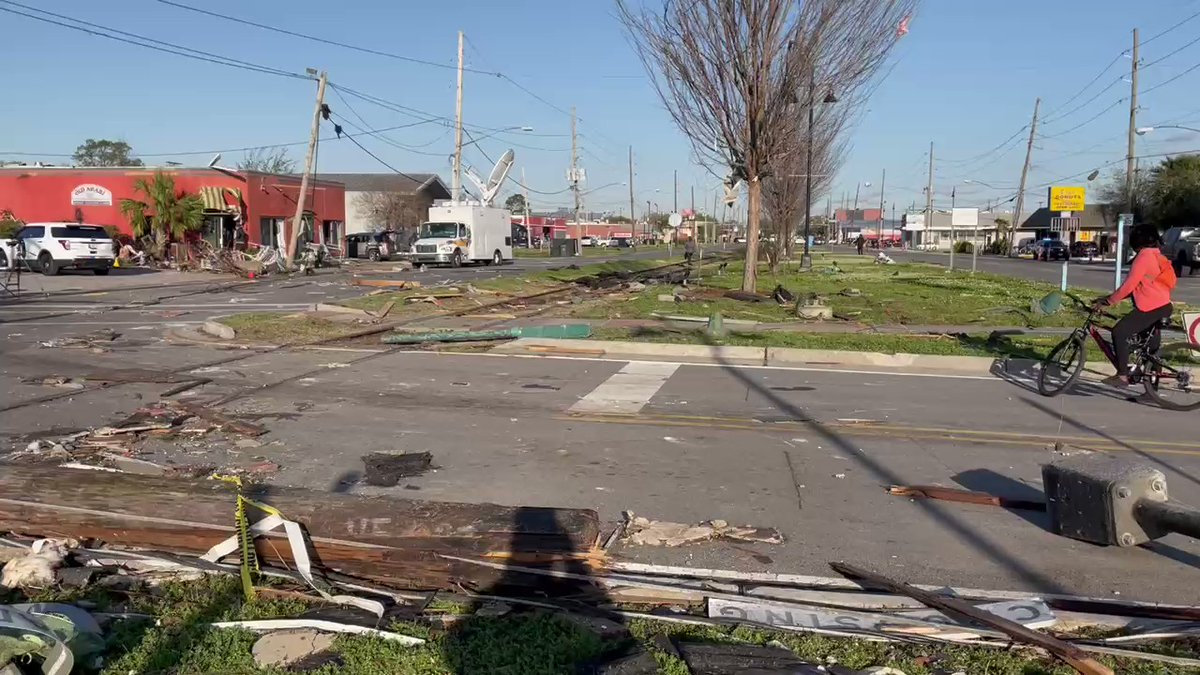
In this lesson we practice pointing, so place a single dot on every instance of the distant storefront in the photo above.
(261, 204)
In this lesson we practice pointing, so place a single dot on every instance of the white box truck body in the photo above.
(464, 232)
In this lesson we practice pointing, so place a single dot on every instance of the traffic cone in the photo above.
(117, 262)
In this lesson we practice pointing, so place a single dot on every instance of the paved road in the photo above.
(806, 451)
(1096, 276)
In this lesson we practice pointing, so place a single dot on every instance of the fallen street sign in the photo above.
(1067, 198)
(1191, 325)
(1029, 613)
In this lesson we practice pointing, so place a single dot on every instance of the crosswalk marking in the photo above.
(628, 390)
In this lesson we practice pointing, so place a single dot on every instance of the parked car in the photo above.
(53, 247)
(1181, 245)
(620, 242)
(588, 240)
(373, 246)
(1085, 249)
(1051, 249)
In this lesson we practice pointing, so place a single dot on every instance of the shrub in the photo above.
(9, 224)
(963, 247)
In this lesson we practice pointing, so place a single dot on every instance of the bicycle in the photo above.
(1166, 371)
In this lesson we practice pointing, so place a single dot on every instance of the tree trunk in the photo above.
(160, 244)
(754, 206)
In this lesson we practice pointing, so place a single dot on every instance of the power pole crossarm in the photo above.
(1133, 106)
(309, 157)
(1025, 169)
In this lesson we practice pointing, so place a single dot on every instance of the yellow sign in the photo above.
(1064, 198)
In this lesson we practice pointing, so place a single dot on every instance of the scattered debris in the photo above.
(746, 296)
(385, 469)
(850, 292)
(340, 309)
(397, 284)
(643, 531)
(964, 496)
(716, 326)
(54, 381)
(782, 295)
(36, 568)
(212, 416)
(884, 259)
(635, 287)
(575, 331)
(284, 648)
(218, 330)
(813, 306)
(93, 340)
(385, 310)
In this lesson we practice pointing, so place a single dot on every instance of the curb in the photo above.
(778, 356)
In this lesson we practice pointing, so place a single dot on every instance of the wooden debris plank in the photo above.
(220, 419)
(385, 283)
(1069, 653)
(964, 496)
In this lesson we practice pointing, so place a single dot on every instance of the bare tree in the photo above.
(735, 74)
(388, 210)
(267, 160)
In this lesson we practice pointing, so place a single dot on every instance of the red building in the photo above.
(263, 204)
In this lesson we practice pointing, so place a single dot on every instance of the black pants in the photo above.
(1130, 325)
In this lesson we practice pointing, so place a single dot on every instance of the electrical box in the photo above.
(1095, 498)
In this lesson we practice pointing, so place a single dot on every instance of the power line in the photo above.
(1169, 81)
(389, 141)
(149, 43)
(378, 159)
(1177, 24)
(1079, 107)
(1085, 87)
(1088, 120)
(1170, 54)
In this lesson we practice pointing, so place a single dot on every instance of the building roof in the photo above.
(1093, 217)
(390, 182)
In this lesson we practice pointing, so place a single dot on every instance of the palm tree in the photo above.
(165, 214)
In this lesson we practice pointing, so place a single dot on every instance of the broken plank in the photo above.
(220, 419)
(1071, 654)
(964, 496)
(385, 283)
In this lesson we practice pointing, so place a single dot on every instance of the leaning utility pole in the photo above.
(575, 172)
(882, 183)
(456, 186)
(1133, 106)
(675, 208)
(528, 226)
(309, 157)
(929, 199)
(632, 213)
(1025, 170)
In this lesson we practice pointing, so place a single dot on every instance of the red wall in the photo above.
(36, 194)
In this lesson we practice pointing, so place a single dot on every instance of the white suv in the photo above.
(52, 247)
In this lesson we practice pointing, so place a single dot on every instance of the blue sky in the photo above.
(965, 77)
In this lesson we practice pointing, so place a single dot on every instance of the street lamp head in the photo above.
(526, 128)
(1093, 174)
(1142, 131)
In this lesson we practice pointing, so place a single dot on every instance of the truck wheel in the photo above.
(373, 256)
(456, 260)
(3, 259)
(497, 258)
(47, 264)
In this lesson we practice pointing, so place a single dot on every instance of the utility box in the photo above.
(1104, 500)
(564, 248)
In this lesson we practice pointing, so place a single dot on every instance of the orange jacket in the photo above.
(1147, 293)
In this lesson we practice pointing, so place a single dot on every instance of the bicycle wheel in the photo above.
(1061, 367)
(1172, 379)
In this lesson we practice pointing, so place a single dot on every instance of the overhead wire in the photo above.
(147, 42)
(1170, 28)
(1170, 80)
(1170, 54)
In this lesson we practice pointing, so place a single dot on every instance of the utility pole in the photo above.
(675, 208)
(929, 198)
(1133, 106)
(953, 203)
(456, 185)
(528, 225)
(882, 184)
(632, 216)
(1025, 170)
(694, 226)
(857, 186)
(298, 221)
(575, 173)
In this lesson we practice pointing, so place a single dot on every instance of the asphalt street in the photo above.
(808, 451)
(1098, 276)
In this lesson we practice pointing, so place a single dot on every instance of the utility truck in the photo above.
(468, 231)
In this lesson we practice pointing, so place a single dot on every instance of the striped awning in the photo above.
(214, 199)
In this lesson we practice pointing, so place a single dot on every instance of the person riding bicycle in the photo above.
(1150, 281)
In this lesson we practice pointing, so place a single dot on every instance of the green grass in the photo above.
(276, 327)
(179, 639)
(588, 251)
(910, 293)
(970, 344)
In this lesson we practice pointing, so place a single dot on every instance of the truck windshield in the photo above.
(439, 230)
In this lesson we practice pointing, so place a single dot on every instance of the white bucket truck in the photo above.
(468, 231)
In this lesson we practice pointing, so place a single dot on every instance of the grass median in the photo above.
(176, 635)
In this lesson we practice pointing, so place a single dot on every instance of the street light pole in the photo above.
(806, 257)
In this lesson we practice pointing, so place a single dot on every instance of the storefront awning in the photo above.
(214, 198)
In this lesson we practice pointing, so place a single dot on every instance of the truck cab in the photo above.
(459, 233)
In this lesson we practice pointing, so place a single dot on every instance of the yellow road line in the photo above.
(891, 431)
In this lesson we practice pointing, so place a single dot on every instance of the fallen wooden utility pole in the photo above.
(396, 542)
(965, 496)
(1071, 654)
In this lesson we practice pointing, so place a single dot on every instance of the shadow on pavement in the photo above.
(965, 532)
(500, 637)
(986, 480)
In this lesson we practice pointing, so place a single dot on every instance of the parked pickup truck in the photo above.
(1181, 245)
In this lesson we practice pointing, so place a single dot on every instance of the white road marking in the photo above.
(628, 390)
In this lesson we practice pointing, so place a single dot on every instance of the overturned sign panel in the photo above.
(1029, 613)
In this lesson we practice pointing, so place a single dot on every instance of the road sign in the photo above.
(674, 220)
(1067, 198)
(1191, 323)
(965, 217)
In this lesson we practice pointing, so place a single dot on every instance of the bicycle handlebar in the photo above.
(1092, 308)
